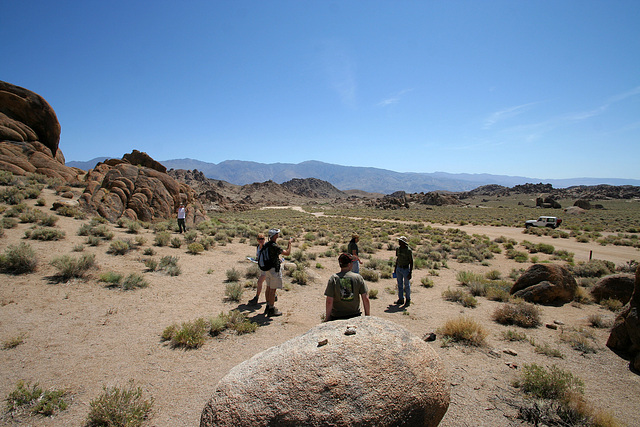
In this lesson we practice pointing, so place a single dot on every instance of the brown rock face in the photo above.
(625, 334)
(380, 376)
(29, 135)
(117, 188)
(616, 286)
(546, 284)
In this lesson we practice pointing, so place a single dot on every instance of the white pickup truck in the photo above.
(544, 221)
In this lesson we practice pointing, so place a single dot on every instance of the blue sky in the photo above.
(545, 89)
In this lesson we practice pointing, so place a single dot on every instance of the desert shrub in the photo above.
(133, 227)
(149, 252)
(597, 321)
(468, 277)
(300, 276)
(93, 240)
(253, 271)
(493, 275)
(18, 259)
(12, 195)
(134, 281)
(44, 233)
(238, 322)
(168, 261)
(119, 407)
(593, 268)
(582, 296)
(8, 223)
(369, 275)
(513, 335)
(373, 293)
(13, 342)
(454, 295)
(162, 238)
(547, 350)
(427, 282)
(195, 248)
(233, 291)
(48, 220)
(6, 177)
(464, 330)
(119, 247)
(553, 383)
(70, 267)
(188, 335)
(190, 236)
(151, 264)
(520, 314)
(498, 290)
(111, 277)
(612, 304)
(233, 275)
(579, 339)
(176, 242)
(36, 400)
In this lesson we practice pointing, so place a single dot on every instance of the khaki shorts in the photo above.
(274, 280)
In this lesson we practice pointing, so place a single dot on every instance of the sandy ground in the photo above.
(82, 336)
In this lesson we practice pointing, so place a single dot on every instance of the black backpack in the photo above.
(264, 260)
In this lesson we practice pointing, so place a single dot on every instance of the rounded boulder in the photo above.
(380, 376)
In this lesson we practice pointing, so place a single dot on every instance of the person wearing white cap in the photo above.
(274, 274)
(402, 270)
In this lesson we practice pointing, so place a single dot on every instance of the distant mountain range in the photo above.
(373, 180)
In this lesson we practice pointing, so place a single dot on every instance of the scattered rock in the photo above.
(551, 326)
(546, 284)
(383, 376)
(323, 342)
(558, 322)
(429, 337)
(625, 334)
(616, 286)
(510, 352)
(494, 353)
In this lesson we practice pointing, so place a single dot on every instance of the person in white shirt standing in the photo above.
(182, 214)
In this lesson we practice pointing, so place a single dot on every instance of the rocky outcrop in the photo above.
(29, 135)
(549, 284)
(615, 286)
(434, 198)
(117, 188)
(583, 204)
(380, 376)
(625, 334)
(313, 187)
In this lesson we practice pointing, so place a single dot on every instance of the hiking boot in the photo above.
(272, 312)
(253, 301)
(407, 303)
(400, 301)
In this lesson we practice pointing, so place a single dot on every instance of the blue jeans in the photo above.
(355, 267)
(404, 286)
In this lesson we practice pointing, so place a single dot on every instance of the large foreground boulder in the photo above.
(380, 376)
(615, 286)
(625, 334)
(548, 284)
(29, 135)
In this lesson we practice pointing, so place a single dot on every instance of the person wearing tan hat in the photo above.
(274, 274)
(402, 270)
(344, 291)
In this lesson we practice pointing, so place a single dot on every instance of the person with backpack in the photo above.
(344, 291)
(402, 271)
(269, 261)
(263, 274)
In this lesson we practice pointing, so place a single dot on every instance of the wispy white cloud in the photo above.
(340, 70)
(393, 99)
(583, 115)
(505, 114)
